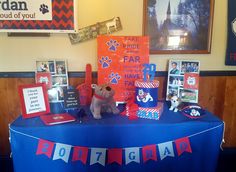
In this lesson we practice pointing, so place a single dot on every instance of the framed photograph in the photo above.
(59, 80)
(45, 66)
(183, 80)
(34, 100)
(178, 26)
(189, 95)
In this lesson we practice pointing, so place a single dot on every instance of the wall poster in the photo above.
(120, 62)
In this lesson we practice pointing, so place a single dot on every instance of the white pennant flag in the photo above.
(62, 151)
(166, 149)
(132, 155)
(98, 155)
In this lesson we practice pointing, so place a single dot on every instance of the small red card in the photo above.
(44, 77)
(191, 81)
(57, 118)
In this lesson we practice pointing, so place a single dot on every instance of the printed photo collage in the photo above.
(183, 80)
(54, 74)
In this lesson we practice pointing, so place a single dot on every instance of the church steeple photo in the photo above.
(168, 13)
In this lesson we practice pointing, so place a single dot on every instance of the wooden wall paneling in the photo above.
(77, 81)
(162, 88)
(9, 107)
(211, 94)
(3, 111)
(229, 113)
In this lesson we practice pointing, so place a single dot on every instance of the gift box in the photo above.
(151, 113)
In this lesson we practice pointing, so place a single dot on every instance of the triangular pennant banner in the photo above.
(166, 149)
(183, 145)
(62, 151)
(149, 153)
(45, 147)
(115, 155)
(80, 154)
(98, 155)
(132, 155)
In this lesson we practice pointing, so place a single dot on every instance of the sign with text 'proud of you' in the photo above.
(37, 16)
(26, 10)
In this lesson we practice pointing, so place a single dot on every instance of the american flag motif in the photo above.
(151, 113)
(146, 84)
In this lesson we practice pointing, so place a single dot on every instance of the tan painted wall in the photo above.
(20, 53)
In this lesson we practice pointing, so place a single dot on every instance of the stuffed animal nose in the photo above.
(108, 88)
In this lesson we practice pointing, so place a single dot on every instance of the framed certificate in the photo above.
(34, 100)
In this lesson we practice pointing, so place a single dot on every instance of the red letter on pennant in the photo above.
(45, 147)
(80, 153)
(183, 145)
(115, 155)
(149, 152)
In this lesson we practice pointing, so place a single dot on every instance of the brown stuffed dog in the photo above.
(102, 100)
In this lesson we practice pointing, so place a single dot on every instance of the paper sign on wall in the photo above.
(37, 16)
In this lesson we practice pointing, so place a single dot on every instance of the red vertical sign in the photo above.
(120, 62)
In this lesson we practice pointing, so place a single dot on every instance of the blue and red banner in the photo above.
(231, 40)
(45, 147)
(80, 154)
(105, 156)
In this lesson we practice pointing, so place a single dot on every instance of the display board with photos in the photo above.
(57, 81)
(183, 80)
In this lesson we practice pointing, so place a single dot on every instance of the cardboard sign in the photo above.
(71, 98)
(34, 100)
(120, 62)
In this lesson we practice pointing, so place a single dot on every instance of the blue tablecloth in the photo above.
(115, 131)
